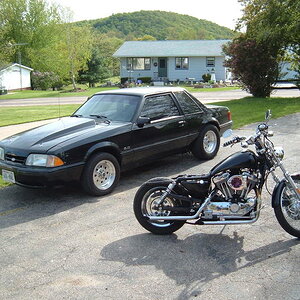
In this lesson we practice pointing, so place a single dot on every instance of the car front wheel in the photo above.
(207, 144)
(101, 174)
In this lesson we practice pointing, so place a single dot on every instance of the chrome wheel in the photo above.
(210, 141)
(287, 209)
(290, 207)
(104, 174)
(150, 206)
(145, 204)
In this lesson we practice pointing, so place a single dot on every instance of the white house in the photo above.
(172, 60)
(14, 77)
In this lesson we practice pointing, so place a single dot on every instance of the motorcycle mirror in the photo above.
(227, 133)
(268, 114)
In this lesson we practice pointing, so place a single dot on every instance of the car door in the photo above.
(195, 116)
(165, 132)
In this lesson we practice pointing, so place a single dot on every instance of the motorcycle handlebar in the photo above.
(235, 140)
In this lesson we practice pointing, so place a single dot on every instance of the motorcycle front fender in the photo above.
(278, 189)
(276, 193)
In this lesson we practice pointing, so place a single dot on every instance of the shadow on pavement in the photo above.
(16, 200)
(200, 258)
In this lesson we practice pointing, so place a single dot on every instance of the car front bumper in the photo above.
(42, 177)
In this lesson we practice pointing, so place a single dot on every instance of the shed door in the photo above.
(162, 67)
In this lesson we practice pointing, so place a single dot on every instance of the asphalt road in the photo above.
(63, 244)
(205, 97)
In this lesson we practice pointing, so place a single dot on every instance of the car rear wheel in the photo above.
(207, 144)
(101, 174)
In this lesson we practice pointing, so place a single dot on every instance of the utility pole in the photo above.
(19, 60)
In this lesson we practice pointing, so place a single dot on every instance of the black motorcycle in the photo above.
(229, 194)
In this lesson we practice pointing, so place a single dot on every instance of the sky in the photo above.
(222, 12)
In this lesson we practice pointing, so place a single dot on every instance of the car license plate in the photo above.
(8, 176)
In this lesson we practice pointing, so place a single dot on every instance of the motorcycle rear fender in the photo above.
(278, 188)
(159, 180)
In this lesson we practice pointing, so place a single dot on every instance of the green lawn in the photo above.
(26, 94)
(222, 89)
(3, 183)
(24, 114)
(249, 110)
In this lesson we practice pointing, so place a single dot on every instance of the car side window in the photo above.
(187, 104)
(158, 107)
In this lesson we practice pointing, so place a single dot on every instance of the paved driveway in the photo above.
(63, 244)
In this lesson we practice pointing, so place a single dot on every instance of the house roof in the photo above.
(171, 48)
(4, 67)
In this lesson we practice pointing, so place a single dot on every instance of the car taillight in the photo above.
(229, 115)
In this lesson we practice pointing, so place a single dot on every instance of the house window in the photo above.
(210, 62)
(138, 63)
(181, 63)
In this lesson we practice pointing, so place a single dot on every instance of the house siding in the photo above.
(11, 78)
(197, 67)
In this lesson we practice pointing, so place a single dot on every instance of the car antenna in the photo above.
(59, 107)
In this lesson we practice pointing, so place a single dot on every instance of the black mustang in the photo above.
(113, 131)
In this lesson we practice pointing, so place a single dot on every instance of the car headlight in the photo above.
(1, 153)
(43, 160)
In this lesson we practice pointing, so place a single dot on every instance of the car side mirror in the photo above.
(141, 121)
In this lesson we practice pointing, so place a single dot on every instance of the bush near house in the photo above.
(45, 80)
(206, 77)
(145, 79)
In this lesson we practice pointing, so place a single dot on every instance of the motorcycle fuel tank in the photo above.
(238, 160)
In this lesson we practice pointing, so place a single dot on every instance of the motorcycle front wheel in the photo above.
(145, 205)
(288, 210)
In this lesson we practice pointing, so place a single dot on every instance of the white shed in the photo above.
(15, 77)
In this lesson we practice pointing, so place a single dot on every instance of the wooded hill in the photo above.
(160, 25)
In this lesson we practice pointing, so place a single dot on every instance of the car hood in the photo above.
(43, 138)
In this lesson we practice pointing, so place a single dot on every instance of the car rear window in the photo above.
(187, 104)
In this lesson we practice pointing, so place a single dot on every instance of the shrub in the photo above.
(45, 80)
(145, 79)
(206, 77)
(124, 79)
(253, 64)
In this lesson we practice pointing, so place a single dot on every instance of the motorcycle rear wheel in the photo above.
(288, 211)
(144, 205)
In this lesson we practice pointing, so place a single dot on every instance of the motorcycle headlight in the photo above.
(43, 160)
(279, 152)
(1, 153)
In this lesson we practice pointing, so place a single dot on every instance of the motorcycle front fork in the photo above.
(291, 184)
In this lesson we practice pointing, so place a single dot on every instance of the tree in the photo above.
(31, 23)
(79, 42)
(276, 24)
(102, 64)
(253, 65)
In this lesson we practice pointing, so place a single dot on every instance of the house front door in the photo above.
(162, 67)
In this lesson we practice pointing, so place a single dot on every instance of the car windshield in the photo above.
(110, 107)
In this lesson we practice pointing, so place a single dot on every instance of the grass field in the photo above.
(23, 114)
(249, 110)
(27, 94)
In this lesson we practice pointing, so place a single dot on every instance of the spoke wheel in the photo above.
(288, 212)
(146, 204)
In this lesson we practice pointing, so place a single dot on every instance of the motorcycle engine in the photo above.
(234, 195)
